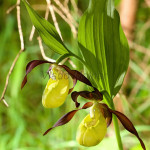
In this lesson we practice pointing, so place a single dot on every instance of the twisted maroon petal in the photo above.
(74, 83)
(30, 66)
(67, 117)
(76, 74)
(128, 125)
(94, 95)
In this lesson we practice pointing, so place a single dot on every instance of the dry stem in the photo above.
(8, 75)
(73, 29)
(74, 6)
(32, 33)
(21, 50)
(19, 25)
(66, 3)
(54, 17)
(40, 40)
(66, 12)
(42, 51)
(11, 8)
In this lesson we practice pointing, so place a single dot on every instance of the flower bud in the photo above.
(56, 89)
(92, 129)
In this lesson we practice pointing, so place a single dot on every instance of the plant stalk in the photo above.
(109, 101)
(117, 130)
(62, 57)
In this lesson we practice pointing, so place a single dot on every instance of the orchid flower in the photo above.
(93, 128)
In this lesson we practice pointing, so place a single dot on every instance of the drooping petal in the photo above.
(127, 125)
(76, 74)
(74, 96)
(30, 66)
(107, 114)
(94, 95)
(74, 83)
(67, 117)
(108, 117)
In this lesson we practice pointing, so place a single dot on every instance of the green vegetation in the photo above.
(25, 120)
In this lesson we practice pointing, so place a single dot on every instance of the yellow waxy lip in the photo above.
(92, 130)
(56, 89)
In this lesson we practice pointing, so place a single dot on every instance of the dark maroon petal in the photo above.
(87, 105)
(107, 114)
(76, 74)
(98, 93)
(67, 117)
(127, 125)
(108, 119)
(63, 120)
(74, 83)
(74, 96)
(30, 66)
(94, 95)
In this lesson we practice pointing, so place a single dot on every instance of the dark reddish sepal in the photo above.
(30, 66)
(76, 74)
(107, 114)
(94, 95)
(67, 117)
(74, 96)
(127, 125)
(74, 83)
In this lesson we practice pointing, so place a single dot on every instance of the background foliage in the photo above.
(22, 124)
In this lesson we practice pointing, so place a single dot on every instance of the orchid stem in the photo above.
(109, 101)
(117, 130)
(62, 57)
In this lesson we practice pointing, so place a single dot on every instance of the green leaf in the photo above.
(117, 2)
(47, 31)
(104, 46)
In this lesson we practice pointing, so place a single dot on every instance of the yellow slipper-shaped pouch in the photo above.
(56, 89)
(91, 131)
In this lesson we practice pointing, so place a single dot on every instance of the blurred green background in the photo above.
(25, 120)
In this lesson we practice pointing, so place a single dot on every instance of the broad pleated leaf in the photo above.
(104, 46)
(47, 31)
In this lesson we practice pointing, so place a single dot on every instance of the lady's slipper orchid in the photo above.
(56, 89)
(89, 130)
(93, 127)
